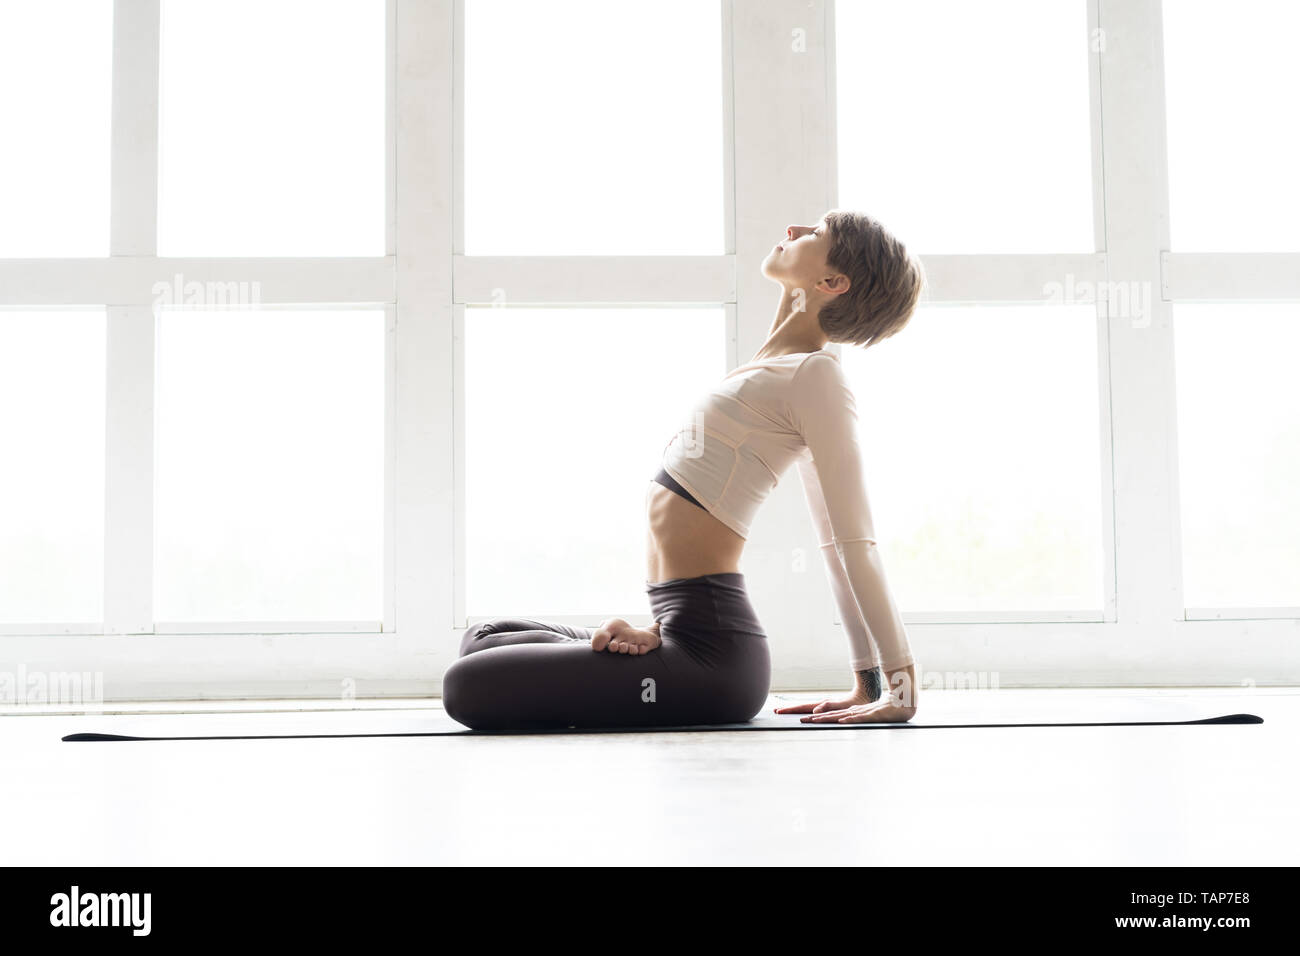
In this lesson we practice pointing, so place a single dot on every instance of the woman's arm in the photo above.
(848, 593)
(823, 409)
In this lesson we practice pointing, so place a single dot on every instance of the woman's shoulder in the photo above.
(817, 372)
(817, 391)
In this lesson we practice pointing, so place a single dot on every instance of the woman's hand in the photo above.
(617, 636)
(887, 710)
(827, 706)
(869, 702)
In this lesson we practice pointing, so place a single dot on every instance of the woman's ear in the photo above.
(837, 283)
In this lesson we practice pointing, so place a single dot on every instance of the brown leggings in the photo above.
(713, 667)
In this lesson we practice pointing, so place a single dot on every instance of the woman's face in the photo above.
(799, 261)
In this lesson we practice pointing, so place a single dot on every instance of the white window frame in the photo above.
(424, 282)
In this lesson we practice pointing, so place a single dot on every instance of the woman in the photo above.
(705, 658)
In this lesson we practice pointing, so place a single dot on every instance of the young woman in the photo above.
(705, 658)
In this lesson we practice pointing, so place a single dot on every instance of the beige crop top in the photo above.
(746, 432)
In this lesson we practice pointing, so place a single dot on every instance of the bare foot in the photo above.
(617, 636)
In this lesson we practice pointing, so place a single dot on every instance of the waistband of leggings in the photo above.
(707, 608)
(726, 579)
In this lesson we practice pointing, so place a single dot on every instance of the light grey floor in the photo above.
(1178, 795)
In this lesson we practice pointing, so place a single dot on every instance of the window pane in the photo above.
(271, 128)
(1239, 453)
(981, 431)
(270, 465)
(52, 486)
(593, 128)
(965, 126)
(1231, 76)
(56, 61)
(567, 412)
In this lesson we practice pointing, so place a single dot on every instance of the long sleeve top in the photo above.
(744, 434)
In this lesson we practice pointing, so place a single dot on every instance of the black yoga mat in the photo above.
(972, 711)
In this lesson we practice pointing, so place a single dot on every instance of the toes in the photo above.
(615, 646)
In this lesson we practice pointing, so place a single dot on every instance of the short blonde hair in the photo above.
(885, 281)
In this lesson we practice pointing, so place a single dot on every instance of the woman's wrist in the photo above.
(900, 685)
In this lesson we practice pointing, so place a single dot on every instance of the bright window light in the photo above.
(52, 418)
(981, 430)
(270, 465)
(1239, 453)
(593, 128)
(964, 126)
(1231, 79)
(567, 413)
(271, 128)
(56, 63)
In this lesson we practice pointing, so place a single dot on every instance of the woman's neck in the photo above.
(794, 329)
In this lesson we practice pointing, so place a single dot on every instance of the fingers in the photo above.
(805, 708)
(881, 712)
(885, 710)
(829, 716)
(821, 706)
(887, 714)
